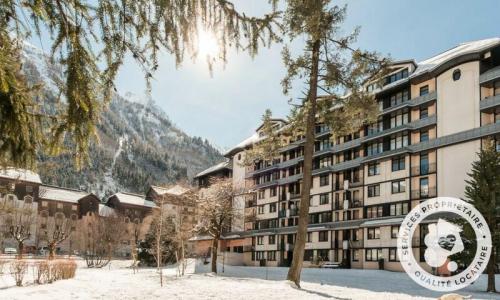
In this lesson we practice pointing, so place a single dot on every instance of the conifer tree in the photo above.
(334, 73)
(483, 191)
(91, 40)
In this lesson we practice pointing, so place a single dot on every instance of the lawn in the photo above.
(117, 281)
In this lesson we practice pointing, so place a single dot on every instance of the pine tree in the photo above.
(331, 66)
(483, 191)
(91, 40)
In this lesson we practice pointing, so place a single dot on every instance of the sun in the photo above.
(207, 44)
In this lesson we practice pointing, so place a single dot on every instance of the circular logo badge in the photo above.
(443, 240)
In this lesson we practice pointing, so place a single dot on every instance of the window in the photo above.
(424, 164)
(308, 255)
(272, 207)
(355, 255)
(396, 76)
(29, 189)
(271, 255)
(398, 209)
(373, 233)
(324, 199)
(28, 199)
(238, 249)
(373, 190)
(324, 180)
(260, 240)
(323, 236)
(398, 187)
(59, 205)
(374, 211)
(398, 119)
(273, 191)
(309, 237)
(456, 74)
(424, 187)
(399, 141)
(393, 254)
(373, 254)
(271, 239)
(373, 169)
(424, 112)
(74, 207)
(424, 135)
(260, 209)
(424, 90)
(394, 232)
(398, 164)
(261, 194)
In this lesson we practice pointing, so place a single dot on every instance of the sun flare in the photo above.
(207, 44)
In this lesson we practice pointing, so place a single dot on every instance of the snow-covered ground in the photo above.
(119, 282)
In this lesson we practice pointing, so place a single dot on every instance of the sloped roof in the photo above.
(61, 194)
(175, 190)
(20, 174)
(106, 211)
(462, 49)
(220, 166)
(133, 199)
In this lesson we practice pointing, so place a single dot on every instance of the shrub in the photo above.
(41, 272)
(18, 269)
(3, 263)
(52, 270)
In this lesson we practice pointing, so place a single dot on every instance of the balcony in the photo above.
(356, 203)
(424, 193)
(412, 103)
(250, 203)
(489, 102)
(282, 213)
(490, 75)
(423, 169)
(292, 212)
(356, 244)
(248, 248)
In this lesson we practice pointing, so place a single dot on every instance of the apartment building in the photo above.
(433, 118)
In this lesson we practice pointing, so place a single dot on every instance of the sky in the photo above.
(226, 107)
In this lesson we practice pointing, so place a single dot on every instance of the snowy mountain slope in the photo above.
(138, 144)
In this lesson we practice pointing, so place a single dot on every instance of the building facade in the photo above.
(434, 116)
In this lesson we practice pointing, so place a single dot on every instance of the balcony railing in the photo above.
(423, 169)
(282, 213)
(424, 193)
(294, 212)
(356, 244)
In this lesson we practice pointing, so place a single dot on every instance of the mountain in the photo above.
(138, 144)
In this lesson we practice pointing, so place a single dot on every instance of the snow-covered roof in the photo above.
(462, 49)
(133, 199)
(254, 138)
(200, 238)
(20, 174)
(175, 190)
(213, 169)
(106, 211)
(61, 194)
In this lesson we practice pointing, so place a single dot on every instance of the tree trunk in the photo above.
(52, 251)
(20, 248)
(491, 264)
(215, 246)
(298, 251)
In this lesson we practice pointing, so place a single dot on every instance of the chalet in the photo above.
(220, 170)
(132, 206)
(71, 202)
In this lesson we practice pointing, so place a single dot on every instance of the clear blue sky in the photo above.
(227, 107)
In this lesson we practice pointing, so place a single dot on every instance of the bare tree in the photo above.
(18, 218)
(216, 212)
(55, 230)
(99, 237)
